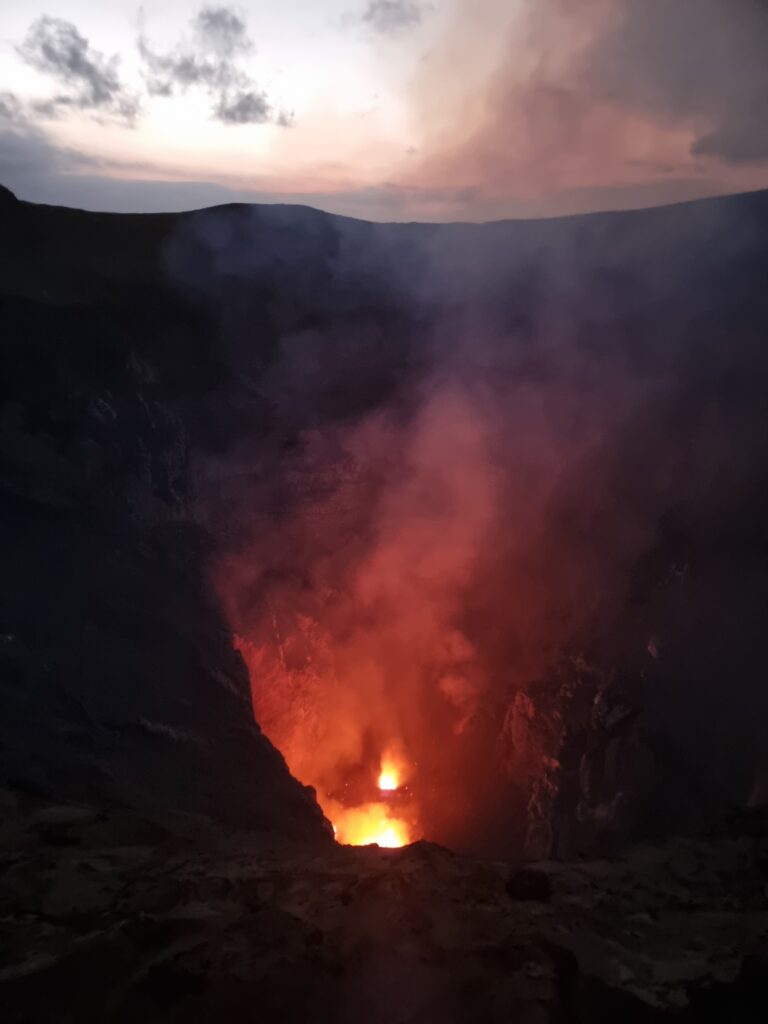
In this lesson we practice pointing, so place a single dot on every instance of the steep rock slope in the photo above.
(119, 683)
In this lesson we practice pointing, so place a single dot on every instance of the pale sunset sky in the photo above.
(383, 109)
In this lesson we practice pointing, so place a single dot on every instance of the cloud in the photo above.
(11, 108)
(556, 98)
(56, 48)
(210, 59)
(31, 165)
(244, 108)
(39, 170)
(223, 32)
(389, 16)
(744, 141)
(697, 60)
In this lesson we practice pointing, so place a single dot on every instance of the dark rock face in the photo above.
(529, 884)
(120, 685)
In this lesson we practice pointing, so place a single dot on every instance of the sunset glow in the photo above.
(356, 107)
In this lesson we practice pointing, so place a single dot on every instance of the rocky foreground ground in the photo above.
(104, 917)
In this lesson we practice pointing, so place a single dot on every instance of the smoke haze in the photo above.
(655, 100)
(495, 448)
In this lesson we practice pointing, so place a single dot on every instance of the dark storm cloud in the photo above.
(56, 48)
(392, 15)
(210, 59)
(703, 60)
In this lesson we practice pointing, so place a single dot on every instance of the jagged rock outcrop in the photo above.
(546, 736)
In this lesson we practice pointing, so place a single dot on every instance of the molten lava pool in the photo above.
(379, 821)
(361, 826)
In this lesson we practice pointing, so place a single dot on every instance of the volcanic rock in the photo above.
(119, 682)
(529, 884)
(194, 928)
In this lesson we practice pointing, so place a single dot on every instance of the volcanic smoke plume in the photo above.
(474, 457)
(361, 659)
(406, 574)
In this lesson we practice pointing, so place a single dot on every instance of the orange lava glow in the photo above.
(389, 777)
(368, 797)
(376, 821)
(388, 781)
(349, 616)
(370, 823)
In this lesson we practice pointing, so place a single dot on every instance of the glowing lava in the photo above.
(376, 821)
(391, 772)
(377, 806)
(370, 823)
(388, 780)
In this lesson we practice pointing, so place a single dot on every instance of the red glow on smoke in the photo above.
(361, 673)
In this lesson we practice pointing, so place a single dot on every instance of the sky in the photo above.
(384, 109)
